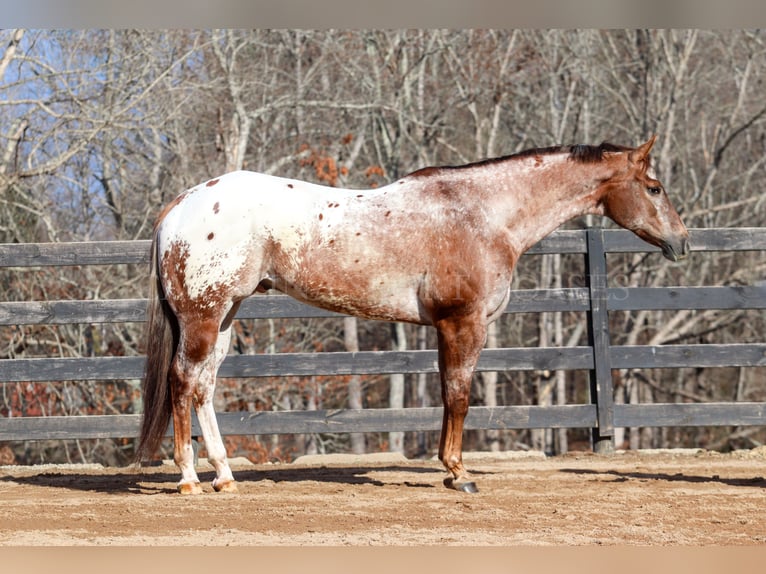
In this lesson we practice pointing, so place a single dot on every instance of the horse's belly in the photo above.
(380, 298)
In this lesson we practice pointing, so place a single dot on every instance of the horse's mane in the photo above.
(580, 153)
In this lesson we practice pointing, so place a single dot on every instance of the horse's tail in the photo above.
(161, 337)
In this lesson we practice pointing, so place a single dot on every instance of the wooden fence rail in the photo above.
(595, 300)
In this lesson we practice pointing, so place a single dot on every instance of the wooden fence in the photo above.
(599, 357)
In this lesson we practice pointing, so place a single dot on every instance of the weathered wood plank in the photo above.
(689, 414)
(676, 356)
(299, 422)
(388, 420)
(412, 419)
(257, 307)
(274, 306)
(72, 312)
(282, 306)
(70, 427)
(728, 239)
(718, 239)
(71, 369)
(75, 253)
(675, 298)
(297, 364)
(561, 241)
(387, 362)
(550, 300)
(122, 252)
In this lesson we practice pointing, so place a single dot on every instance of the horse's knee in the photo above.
(457, 402)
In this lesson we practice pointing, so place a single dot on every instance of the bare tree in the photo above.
(104, 127)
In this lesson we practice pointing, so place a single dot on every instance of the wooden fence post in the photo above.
(601, 388)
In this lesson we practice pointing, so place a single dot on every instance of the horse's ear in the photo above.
(639, 154)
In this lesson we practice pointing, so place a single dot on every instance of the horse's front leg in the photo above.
(460, 342)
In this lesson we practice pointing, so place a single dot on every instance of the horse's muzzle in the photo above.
(676, 249)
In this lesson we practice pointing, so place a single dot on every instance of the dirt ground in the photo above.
(668, 498)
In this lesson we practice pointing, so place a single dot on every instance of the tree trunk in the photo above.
(351, 341)
(396, 390)
(489, 378)
(422, 391)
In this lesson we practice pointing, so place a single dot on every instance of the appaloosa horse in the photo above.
(436, 247)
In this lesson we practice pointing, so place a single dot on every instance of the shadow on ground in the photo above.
(160, 480)
(617, 476)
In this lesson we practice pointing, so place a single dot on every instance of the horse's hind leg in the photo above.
(192, 381)
(203, 399)
(183, 454)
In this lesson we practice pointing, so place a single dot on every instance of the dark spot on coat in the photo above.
(388, 213)
(212, 182)
(216, 207)
(321, 217)
(290, 185)
(360, 195)
(210, 236)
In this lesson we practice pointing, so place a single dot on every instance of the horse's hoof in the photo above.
(467, 486)
(228, 486)
(189, 488)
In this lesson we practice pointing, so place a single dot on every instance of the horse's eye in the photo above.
(654, 190)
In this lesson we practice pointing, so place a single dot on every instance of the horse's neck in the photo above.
(542, 199)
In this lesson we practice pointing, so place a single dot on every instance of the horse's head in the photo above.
(635, 199)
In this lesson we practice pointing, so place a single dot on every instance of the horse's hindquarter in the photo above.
(212, 239)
